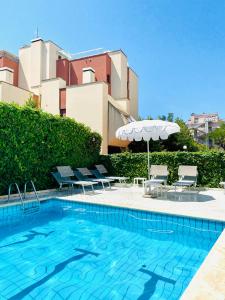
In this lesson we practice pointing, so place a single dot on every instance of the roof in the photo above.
(98, 54)
(9, 55)
(118, 50)
(40, 39)
(89, 56)
(205, 114)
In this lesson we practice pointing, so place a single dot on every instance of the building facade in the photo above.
(100, 91)
(202, 124)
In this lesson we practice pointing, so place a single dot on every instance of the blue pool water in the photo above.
(83, 251)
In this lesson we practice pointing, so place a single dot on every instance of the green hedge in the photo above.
(32, 143)
(211, 164)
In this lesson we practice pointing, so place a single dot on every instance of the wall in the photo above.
(133, 93)
(201, 118)
(6, 75)
(10, 93)
(38, 59)
(72, 71)
(115, 121)
(9, 63)
(24, 68)
(51, 58)
(50, 95)
(62, 69)
(118, 74)
(124, 104)
(88, 104)
(37, 63)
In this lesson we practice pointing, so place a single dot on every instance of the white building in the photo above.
(100, 90)
(202, 124)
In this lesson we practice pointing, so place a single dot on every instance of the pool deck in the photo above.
(208, 204)
(209, 281)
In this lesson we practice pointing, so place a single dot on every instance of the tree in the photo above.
(31, 103)
(218, 136)
(147, 118)
(170, 117)
(177, 141)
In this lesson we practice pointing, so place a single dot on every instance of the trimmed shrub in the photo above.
(32, 143)
(211, 164)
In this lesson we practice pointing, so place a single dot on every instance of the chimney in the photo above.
(6, 74)
(88, 75)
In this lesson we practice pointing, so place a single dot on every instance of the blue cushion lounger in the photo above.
(102, 170)
(67, 174)
(85, 175)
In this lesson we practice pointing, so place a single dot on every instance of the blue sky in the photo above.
(177, 47)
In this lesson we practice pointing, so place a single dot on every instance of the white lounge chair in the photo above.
(102, 170)
(158, 177)
(67, 174)
(85, 175)
(187, 177)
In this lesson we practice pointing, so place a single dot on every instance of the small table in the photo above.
(153, 183)
(223, 184)
(141, 179)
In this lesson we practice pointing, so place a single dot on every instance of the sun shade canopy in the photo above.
(147, 130)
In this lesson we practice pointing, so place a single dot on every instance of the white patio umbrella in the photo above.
(147, 130)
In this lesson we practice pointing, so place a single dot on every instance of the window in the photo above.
(59, 57)
(108, 78)
(196, 120)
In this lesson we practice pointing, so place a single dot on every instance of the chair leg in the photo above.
(83, 189)
(92, 186)
(72, 187)
(68, 191)
(103, 186)
(145, 189)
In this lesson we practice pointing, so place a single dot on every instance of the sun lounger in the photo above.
(61, 181)
(66, 177)
(187, 176)
(158, 177)
(100, 176)
(85, 175)
(102, 171)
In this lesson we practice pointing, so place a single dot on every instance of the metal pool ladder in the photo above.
(29, 206)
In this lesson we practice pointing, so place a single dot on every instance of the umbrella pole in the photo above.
(148, 160)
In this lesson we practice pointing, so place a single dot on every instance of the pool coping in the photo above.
(121, 205)
(208, 282)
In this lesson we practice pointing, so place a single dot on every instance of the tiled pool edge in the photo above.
(209, 281)
(135, 207)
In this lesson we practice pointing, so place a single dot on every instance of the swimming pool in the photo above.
(74, 250)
